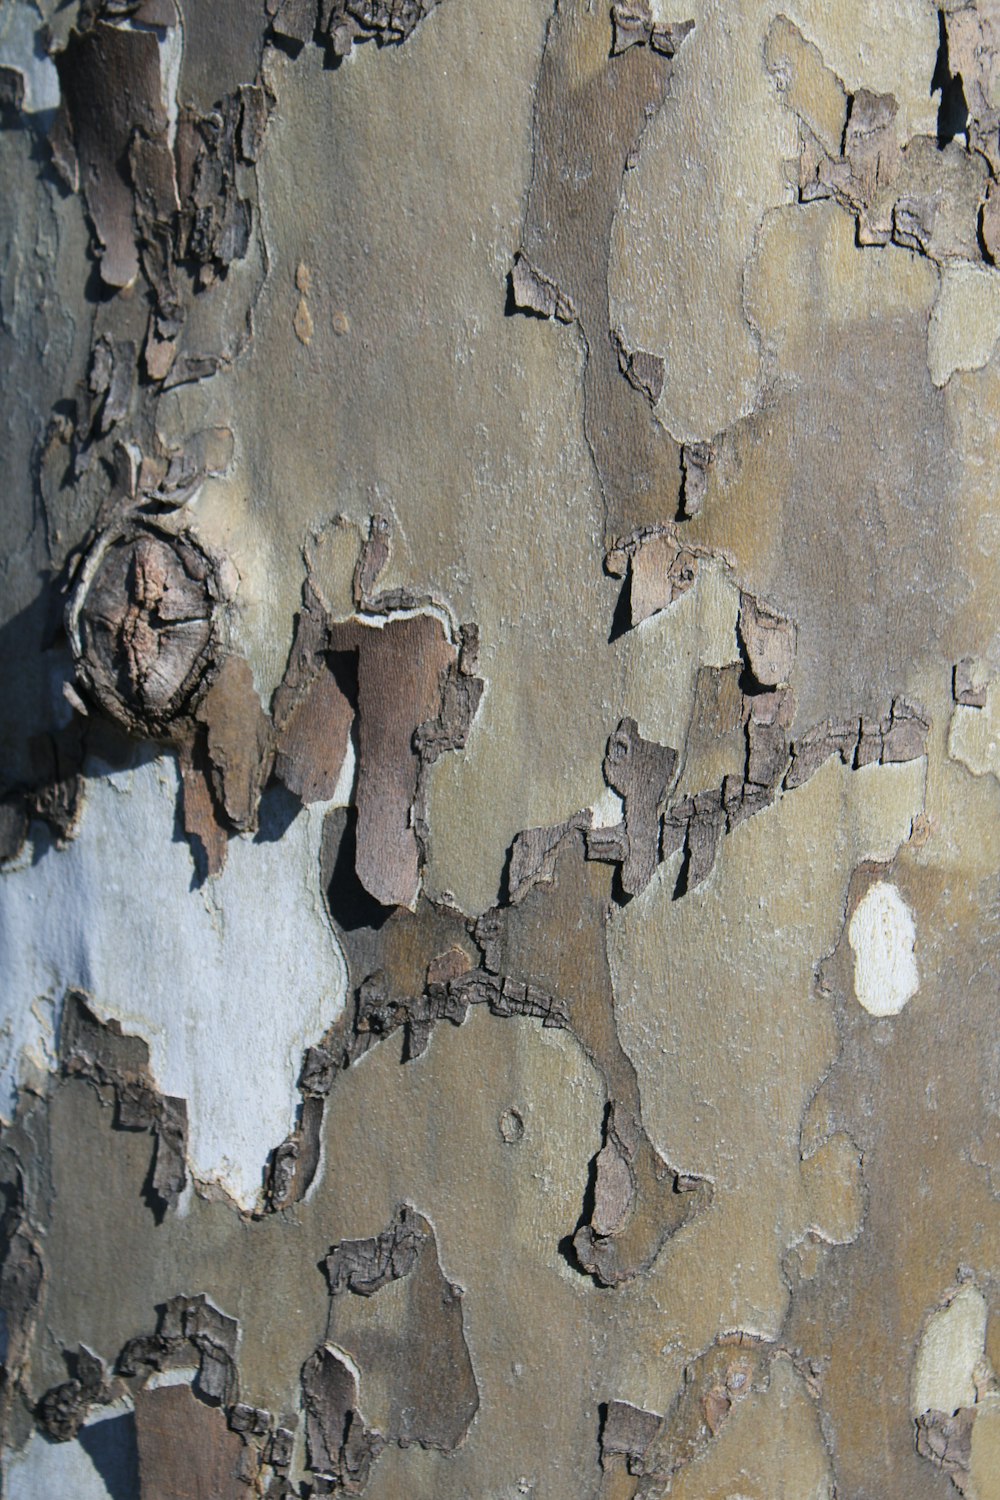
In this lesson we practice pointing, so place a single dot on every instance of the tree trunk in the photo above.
(499, 816)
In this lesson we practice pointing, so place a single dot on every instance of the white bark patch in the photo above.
(608, 809)
(227, 984)
(882, 934)
(98, 1465)
(22, 47)
(950, 1347)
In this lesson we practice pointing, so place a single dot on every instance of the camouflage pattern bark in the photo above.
(499, 785)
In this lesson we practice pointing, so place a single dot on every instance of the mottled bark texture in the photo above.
(499, 786)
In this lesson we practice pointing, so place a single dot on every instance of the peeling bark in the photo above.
(649, 946)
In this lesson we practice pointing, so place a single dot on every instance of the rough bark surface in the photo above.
(499, 788)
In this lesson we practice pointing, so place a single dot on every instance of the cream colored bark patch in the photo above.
(709, 167)
(771, 1447)
(974, 735)
(882, 935)
(950, 1348)
(888, 48)
(984, 1464)
(724, 1075)
(965, 323)
(662, 655)
(809, 88)
(831, 1179)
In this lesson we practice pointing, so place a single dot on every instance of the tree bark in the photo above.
(499, 787)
